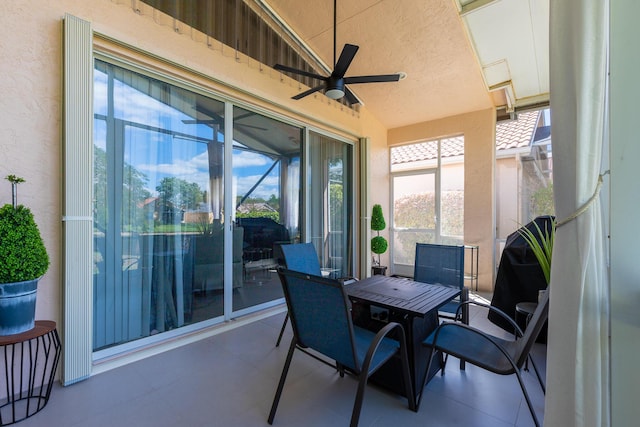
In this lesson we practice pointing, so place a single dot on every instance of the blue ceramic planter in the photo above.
(17, 306)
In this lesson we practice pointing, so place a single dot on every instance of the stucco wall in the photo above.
(479, 195)
(31, 102)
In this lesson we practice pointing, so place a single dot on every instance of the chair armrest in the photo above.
(404, 354)
(489, 338)
(386, 330)
(504, 315)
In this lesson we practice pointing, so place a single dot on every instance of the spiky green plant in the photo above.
(541, 245)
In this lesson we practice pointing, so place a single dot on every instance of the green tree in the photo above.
(542, 202)
(416, 212)
(336, 204)
(274, 202)
(133, 193)
(176, 196)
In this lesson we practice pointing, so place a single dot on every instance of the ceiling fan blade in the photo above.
(372, 79)
(350, 96)
(308, 92)
(281, 67)
(348, 52)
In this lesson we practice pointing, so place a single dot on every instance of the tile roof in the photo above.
(516, 133)
(427, 150)
(509, 134)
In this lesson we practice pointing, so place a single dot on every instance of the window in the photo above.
(427, 197)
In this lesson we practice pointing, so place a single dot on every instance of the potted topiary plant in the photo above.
(379, 244)
(23, 260)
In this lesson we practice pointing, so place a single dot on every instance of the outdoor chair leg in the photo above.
(465, 318)
(526, 397)
(340, 369)
(357, 405)
(422, 382)
(284, 325)
(535, 368)
(283, 377)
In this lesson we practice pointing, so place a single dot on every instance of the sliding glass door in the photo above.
(186, 227)
(330, 202)
(266, 192)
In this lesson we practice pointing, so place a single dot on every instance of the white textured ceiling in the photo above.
(436, 46)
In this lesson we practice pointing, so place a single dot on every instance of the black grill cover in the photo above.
(519, 275)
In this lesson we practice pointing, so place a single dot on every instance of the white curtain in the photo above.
(578, 345)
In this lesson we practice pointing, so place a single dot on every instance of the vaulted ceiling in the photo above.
(459, 55)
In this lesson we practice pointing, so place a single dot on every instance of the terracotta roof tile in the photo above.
(427, 150)
(509, 134)
(516, 133)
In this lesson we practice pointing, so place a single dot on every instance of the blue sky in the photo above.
(159, 155)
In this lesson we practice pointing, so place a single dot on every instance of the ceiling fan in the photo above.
(334, 84)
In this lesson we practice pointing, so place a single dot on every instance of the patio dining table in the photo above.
(378, 300)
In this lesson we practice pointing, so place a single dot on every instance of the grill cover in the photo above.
(519, 275)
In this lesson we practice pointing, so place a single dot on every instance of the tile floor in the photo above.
(230, 379)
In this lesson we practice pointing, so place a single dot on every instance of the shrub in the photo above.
(23, 255)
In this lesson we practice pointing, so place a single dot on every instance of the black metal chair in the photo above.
(444, 265)
(489, 352)
(299, 257)
(320, 314)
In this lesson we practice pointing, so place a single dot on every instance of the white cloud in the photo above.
(247, 159)
(267, 187)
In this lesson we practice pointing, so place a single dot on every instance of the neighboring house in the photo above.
(247, 208)
(523, 172)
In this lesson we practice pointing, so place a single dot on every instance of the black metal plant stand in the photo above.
(29, 366)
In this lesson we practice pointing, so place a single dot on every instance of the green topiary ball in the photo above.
(379, 245)
(23, 255)
(377, 218)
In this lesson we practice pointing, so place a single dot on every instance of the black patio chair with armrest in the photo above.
(299, 257)
(444, 265)
(494, 354)
(320, 314)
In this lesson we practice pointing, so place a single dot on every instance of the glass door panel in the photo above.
(414, 217)
(157, 192)
(266, 197)
(452, 204)
(330, 194)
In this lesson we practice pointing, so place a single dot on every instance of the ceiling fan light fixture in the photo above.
(335, 88)
(334, 93)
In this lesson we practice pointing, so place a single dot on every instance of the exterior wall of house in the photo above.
(507, 189)
(479, 195)
(31, 121)
(507, 202)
